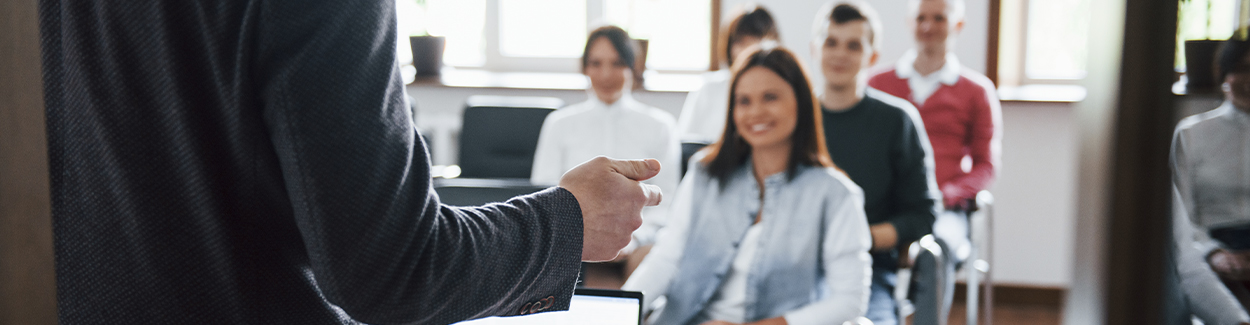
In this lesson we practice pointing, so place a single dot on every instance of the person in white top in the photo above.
(1211, 173)
(610, 123)
(703, 116)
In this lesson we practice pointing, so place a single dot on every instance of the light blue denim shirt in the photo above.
(811, 264)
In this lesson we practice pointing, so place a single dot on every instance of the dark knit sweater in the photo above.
(881, 145)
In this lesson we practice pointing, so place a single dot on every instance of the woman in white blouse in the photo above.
(1211, 172)
(703, 116)
(610, 123)
(764, 229)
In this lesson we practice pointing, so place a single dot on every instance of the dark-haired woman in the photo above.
(703, 116)
(610, 123)
(764, 229)
(1211, 171)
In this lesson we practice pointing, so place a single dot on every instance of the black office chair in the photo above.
(500, 133)
(477, 191)
(688, 149)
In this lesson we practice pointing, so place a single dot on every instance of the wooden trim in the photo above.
(713, 62)
(991, 58)
(1138, 231)
(1049, 297)
(27, 273)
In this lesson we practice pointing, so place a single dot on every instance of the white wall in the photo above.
(1035, 195)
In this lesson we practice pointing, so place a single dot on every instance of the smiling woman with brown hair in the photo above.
(764, 229)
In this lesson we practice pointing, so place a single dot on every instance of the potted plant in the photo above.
(1200, 45)
(427, 50)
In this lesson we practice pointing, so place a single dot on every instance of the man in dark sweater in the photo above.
(879, 142)
(253, 162)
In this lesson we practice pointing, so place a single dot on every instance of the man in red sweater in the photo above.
(960, 111)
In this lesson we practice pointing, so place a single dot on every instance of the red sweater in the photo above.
(962, 120)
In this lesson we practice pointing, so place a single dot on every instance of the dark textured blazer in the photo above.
(253, 162)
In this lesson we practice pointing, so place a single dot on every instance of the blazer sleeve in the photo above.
(379, 244)
(916, 195)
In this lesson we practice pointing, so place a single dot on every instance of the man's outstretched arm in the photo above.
(380, 245)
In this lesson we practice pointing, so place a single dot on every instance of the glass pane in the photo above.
(678, 31)
(1056, 43)
(462, 22)
(542, 28)
(1203, 19)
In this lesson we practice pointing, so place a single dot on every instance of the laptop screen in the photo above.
(589, 306)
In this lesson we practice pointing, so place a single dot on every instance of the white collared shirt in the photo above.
(923, 86)
(626, 129)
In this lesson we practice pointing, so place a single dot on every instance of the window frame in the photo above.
(1008, 58)
(494, 60)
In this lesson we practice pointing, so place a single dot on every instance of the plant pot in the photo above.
(1200, 64)
(427, 54)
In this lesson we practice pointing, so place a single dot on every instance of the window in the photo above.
(1203, 20)
(549, 35)
(1042, 41)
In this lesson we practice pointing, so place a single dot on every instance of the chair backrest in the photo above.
(477, 192)
(499, 134)
(688, 149)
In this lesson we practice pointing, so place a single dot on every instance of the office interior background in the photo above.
(1049, 59)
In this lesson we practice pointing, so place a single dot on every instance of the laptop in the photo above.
(589, 306)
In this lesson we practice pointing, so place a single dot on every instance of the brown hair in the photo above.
(808, 141)
(845, 11)
(1231, 53)
(620, 41)
(748, 20)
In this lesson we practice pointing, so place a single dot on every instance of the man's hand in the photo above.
(611, 199)
(1231, 265)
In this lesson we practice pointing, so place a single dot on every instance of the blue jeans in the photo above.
(881, 307)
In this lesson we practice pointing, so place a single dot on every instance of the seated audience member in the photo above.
(703, 116)
(764, 230)
(961, 114)
(880, 142)
(610, 123)
(1211, 171)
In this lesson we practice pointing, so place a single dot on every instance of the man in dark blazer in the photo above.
(253, 162)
